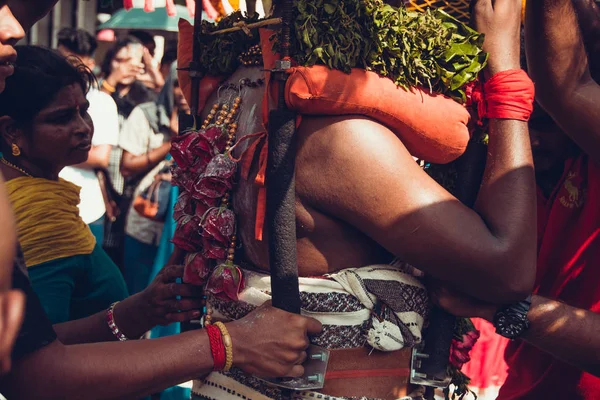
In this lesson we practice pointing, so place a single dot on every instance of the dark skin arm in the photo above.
(156, 305)
(132, 165)
(134, 369)
(376, 186)
(558, 63)
(588, 15)
(567, 333)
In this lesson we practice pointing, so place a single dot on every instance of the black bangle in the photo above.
(148, 158)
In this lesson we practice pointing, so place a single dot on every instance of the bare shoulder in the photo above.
(353, 155)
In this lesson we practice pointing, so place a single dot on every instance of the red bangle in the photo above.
(217, 347)
(110, 321)
(506, 95)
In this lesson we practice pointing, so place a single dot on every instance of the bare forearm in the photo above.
(555, 52)
(137, 165)
(559, 65)
(588, 15)
(506, 199)
(119, 370)
(129, 316)
(567, 333)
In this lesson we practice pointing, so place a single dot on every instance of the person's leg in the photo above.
(139, 260)
(97, 228)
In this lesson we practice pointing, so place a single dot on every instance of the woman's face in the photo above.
(61, 133)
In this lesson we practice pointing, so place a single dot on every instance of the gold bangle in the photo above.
(228, 345)
(108, 87)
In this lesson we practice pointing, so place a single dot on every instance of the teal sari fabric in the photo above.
(165, 249)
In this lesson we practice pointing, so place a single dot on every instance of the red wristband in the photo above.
(506, 95)
(217, 347)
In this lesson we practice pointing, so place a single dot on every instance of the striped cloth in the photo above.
(381, 306)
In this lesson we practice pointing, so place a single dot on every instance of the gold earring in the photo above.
(16, 151)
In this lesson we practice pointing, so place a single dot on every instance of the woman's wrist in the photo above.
(133, 317)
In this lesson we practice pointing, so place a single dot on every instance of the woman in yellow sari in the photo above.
(44, 127)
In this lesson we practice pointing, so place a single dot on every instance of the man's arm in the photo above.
(132, 165)
(567, 333)
(559, 66)
(137, 368)
(588, 15)
(371, 181)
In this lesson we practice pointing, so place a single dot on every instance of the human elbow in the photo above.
(515, 276)
(125, 171)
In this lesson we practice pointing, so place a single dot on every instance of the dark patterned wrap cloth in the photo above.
(380, 306)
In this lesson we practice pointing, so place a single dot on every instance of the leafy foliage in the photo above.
(219, 53)
(429, 49)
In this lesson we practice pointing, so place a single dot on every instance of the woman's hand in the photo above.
(163, 302)
(168, 301)
(500, 21)
(272, 343)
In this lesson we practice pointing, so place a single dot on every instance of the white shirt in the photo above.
(138, 138)
(105, 118)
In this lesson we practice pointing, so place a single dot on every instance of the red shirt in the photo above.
(568, 270)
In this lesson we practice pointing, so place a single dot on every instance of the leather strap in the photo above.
(371, 373)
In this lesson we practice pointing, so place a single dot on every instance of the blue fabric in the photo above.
(139, 262)
(97, 228)
(165, 249)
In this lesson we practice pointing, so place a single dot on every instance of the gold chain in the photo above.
(16, 168)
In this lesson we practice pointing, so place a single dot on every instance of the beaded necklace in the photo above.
(15, 167)
(225, 116)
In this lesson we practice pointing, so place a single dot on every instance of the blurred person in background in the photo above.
(168, 58)
(146, 141)
(122, 65)
(96, 198)
(151, 76)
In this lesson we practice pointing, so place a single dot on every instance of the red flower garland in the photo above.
(205, 229)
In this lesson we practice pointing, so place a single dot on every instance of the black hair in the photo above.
(78, 41)
(143, 37)
(169, 57)
(40, 73)
(106, 67)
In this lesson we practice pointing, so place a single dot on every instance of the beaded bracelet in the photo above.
(216, 347)
(228, 345)
(110, 320)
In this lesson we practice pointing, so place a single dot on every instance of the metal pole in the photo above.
(281, 190)
(194, 67)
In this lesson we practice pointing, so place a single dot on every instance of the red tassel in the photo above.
(171, 9)
(128, 4)
(149, 5)
(191, 6)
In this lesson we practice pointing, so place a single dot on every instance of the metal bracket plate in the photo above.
(419, 378)
(315, 368)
